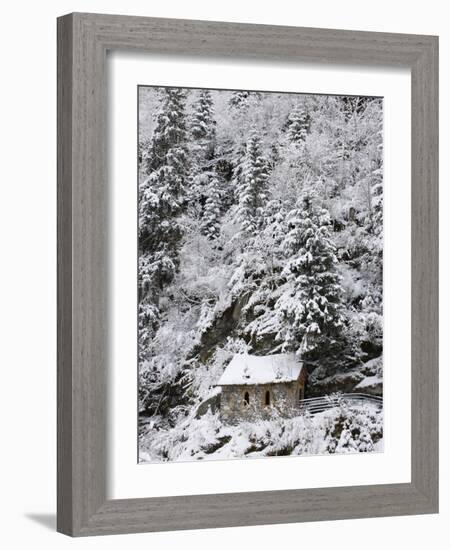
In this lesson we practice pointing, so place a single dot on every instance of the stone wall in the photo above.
(284, 399)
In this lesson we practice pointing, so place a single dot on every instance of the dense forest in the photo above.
(260, 232)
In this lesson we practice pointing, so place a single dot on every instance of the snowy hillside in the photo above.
(260, 232)
(340, 430)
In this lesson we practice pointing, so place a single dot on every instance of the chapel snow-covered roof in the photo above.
(249, 370)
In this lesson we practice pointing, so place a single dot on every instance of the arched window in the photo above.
(267, 398)
(246, 398)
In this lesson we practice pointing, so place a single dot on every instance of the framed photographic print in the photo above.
(247, 274)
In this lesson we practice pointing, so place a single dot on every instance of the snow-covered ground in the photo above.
(339, 430)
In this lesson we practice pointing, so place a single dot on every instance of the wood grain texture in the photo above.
(83, 40)
(425, 272)
(64, 276)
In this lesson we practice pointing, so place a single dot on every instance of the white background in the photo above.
(28, 267)
(131, 480)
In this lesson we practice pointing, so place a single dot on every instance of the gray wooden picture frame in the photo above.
(83, 41)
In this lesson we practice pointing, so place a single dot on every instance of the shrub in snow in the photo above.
(345, 430)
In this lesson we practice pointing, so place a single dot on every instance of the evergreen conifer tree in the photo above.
(203, 124)
(252, 193)
(202, 145)
(239, 99)
(264, 261)
(161, 202)
(298, 124)
(310, 305)
(210, 225)
(238, 157)
(170, 129)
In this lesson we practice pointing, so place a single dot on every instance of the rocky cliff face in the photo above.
(365, 378)
(326, 375)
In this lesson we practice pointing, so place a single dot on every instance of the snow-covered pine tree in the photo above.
(310, 302)
(262, 264)
(224, 170)
(161, 202)
(239, 99)
(202, 144)
(297, 125)
(203, 123)
(252, 192)
(170, 129)
(237, 160)
(210, 224)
